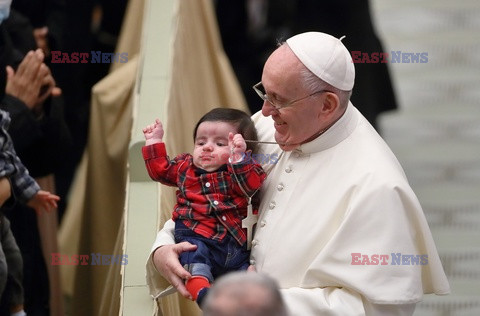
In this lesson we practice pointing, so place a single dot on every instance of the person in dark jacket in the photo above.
(28, 92)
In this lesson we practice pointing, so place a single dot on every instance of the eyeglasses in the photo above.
(260, 90)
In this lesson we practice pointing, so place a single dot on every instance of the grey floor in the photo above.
(436, 131)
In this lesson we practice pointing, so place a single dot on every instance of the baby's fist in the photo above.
(237, 147)
(153, 133)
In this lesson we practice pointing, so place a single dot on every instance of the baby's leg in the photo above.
(198, 264)
(198, 287)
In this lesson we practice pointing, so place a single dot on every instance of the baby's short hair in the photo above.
(240, 119)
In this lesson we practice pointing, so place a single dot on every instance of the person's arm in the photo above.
(159, 167)
(27, 190)
(32, 82)
(43, 201)
(25, 127)
(24, 187)
(247, 175)
(28, 100)
(163, 267)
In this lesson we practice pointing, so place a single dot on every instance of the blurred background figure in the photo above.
(91, 25)
(29, 93)
(68, 27)
(251, 29)
(46, 18)
(49, 137)
(244, 293)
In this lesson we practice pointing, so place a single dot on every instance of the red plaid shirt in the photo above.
(209, 203)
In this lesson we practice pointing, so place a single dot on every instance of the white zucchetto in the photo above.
(326, 57)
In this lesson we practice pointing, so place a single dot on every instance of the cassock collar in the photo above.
(335, 134)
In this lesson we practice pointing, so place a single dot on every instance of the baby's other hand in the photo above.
(238, 146)
(43, 201)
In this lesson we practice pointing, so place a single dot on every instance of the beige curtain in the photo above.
(95, 210)
(96, 204)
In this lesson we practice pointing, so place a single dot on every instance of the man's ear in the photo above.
(331, 102)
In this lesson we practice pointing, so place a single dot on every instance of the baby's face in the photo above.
(211, 145)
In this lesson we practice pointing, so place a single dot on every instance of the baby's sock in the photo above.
(196, 285)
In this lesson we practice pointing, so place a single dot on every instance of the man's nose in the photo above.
(268, 109)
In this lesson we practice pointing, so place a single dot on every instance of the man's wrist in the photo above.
(153, 258)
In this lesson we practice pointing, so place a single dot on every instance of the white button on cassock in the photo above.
(272, 205)
(280, 187)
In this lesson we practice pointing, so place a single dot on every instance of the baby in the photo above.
(215, 187)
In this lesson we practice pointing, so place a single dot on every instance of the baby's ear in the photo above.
(252, 147)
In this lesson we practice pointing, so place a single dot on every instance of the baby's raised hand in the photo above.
(153, 133)
(237, 147)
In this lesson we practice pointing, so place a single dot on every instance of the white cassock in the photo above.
(339, 228)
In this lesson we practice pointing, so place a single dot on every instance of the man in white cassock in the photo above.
(339, 227)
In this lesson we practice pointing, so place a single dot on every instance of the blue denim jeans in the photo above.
(212, 258)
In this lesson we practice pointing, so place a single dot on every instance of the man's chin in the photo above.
(284, 143)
